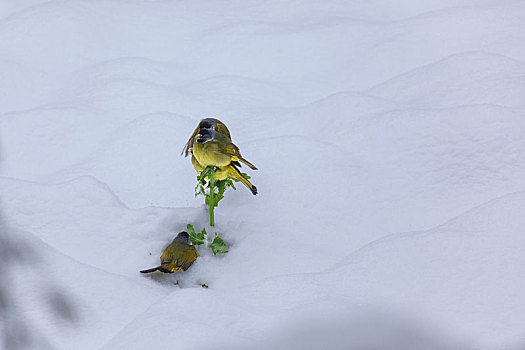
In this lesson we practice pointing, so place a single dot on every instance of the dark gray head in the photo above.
(208, 123)
(183, 237)
(205, 135)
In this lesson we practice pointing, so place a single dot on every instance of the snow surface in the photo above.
(390, 140)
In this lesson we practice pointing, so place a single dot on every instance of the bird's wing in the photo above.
(189, 145)
(236, 156)
(232, 150)
(187, 259)
(166, 257)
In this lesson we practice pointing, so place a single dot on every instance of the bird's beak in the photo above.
(198, 136)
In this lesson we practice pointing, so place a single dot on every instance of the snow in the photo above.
(389, 138)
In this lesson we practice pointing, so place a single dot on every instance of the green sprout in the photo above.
(216, 189)
(213, 191)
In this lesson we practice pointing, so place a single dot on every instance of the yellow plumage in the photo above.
(215, 149)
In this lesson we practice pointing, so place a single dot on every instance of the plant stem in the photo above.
(212, 196)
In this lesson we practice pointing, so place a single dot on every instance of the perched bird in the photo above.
(216, 149)
(221, 173)
(178, 256)
(207, 123)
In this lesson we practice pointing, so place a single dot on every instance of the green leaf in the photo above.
(218, 246)
(203, 234)
(199, 188)
(196, 238)
(222, 186)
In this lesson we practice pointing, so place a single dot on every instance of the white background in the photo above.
(389, 137)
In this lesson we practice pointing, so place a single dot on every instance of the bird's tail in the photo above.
(248, 164)
(237, 174)
(161, 268)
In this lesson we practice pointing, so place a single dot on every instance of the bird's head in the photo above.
(183, 237)
(208, 123)
(205, 135)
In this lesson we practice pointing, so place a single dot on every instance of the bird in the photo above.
(212, 148)
(206, 123)
(179, 255)
(221, 173)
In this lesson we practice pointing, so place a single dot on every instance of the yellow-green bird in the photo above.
(178, 256)
(206, 123)
(221, 173)
(211, 148)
